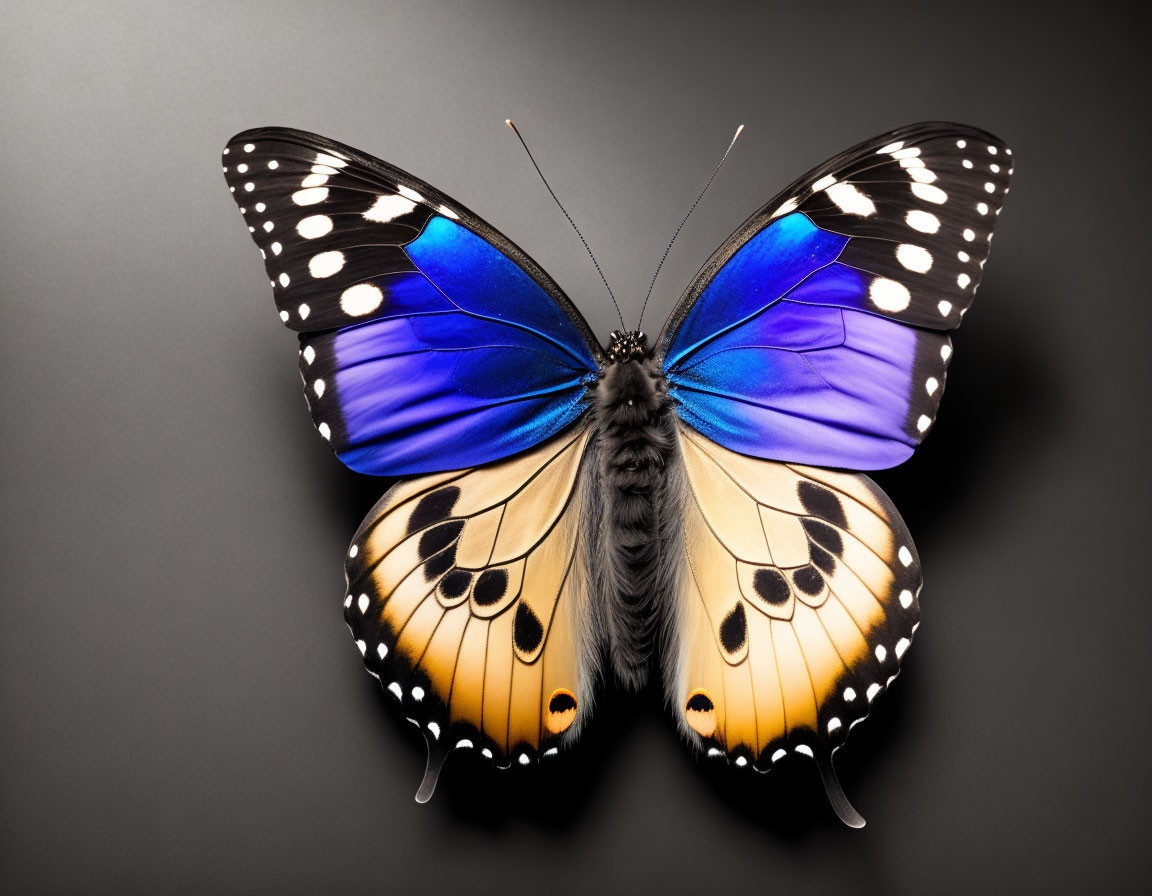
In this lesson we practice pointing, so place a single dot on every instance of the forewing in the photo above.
(818, 333)
(467, 598)
(429, 340)
(796, 601)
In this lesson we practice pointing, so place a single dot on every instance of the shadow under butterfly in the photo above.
(690, 508)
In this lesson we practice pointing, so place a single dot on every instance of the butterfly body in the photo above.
(634, 447)
(693, 509)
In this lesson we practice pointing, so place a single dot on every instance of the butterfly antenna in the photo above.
(668, 249)
(587, 248)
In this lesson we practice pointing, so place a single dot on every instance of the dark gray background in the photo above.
(182, 708)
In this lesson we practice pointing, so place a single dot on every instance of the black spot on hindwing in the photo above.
(490, 587)
(734, 629)
(561, 701)
(455, 583)
(527, 631)
(440, 564)
(822, 559)
(699, 703)
(808, 580)
(433, 542)
(822, 502)
(771, 585)
(825, 536)
(436, 539)
(433, 508)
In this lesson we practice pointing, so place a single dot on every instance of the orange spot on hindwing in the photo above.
(700, 713)
(561, 710)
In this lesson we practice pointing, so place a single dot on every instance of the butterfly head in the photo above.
(629, 346)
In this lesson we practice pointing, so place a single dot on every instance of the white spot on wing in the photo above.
(925, 222)
(325, 432)
(389, 208)
(905, 555)
(873, 690)
(805, 750)
(929, 193)
(888, 295)
(905, 598)
(833, 724)
(314, 226)
(326, 264)
(945, 352)
(824, 183)
(901, 646)
(914, 258)
(890, 148)
(931, 385)
(448, 213)
(789, 206)
(381, 650)
(778, 755)
(284, 316)
(310, 196)
(361, 299)
(881, 652)
(969, 234)
(435, 729)
(314, 180)
(923, 423)
(849, 694)
(850, 200)
(277, 248)
(362, 603)
(284, 281)
(319, 386)
(395, 689)
(411, 194)
(963, 280)
(945, 308)
(323, 158)
(417, 693)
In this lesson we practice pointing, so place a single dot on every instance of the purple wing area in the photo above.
(820, 386)
(428, 340)
(818, 333)
(442, 383)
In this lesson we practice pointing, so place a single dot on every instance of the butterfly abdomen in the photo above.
(636, 441)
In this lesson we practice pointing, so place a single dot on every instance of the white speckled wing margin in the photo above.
(919, 204)
(331, 223)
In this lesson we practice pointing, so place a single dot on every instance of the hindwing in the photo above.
(467, 597)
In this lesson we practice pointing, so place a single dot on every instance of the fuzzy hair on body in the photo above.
(636, 514)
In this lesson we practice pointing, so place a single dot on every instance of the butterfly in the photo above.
(694, 508)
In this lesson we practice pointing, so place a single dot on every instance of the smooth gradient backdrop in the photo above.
(181, 707)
